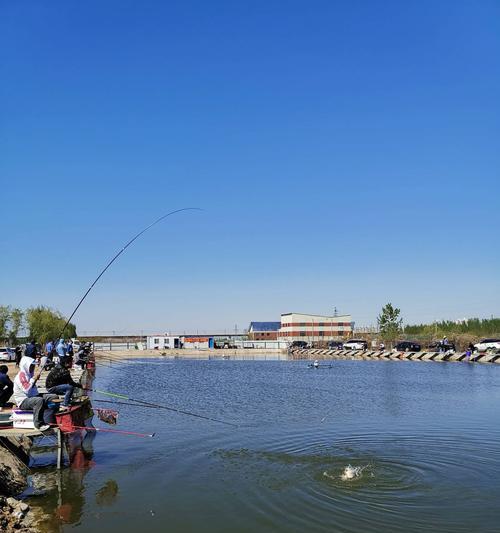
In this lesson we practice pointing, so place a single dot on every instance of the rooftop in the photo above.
(264, 326)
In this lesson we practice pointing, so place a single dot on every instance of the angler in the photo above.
(26, 394)
(59, 381)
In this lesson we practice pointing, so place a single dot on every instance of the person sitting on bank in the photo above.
(6, 386)
(26, 393)
(59, 381)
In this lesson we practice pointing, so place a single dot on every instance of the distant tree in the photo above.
(44, 323)
(16, 323)
(488, 327)
(4, 320)
(11, 321)
(389, 323)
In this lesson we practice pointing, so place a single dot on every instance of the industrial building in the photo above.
(263, 331)
(314, 328)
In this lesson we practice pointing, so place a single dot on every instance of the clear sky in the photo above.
(346, 154)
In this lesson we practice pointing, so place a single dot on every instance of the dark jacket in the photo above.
(5, 381)
(60, 376)
(30, 350)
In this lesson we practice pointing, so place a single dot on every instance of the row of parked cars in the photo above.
(484, 345)
(353, 344)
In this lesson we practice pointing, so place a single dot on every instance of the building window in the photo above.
(302, 334)
(156, 341)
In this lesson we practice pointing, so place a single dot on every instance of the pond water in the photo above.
(421, 440)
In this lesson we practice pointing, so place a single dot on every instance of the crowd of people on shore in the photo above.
(57, 358)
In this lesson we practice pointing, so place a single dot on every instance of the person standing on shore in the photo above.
(30, 350)
(61, 350)
(70, 351)
(6, 386)
(49, 347)
(19, 355)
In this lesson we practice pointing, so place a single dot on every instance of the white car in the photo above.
(487, 344)
(355, 344)
(7, 354)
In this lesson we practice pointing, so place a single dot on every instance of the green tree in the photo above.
(4, 320)
(390, 323)
(16, 323)
(44, 323)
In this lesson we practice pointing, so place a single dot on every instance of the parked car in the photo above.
(335, 345)
(408, 346)
(224, 344)
(487, 344)
(299, 344)
(355, 344)
(7, 354)
(438, 346)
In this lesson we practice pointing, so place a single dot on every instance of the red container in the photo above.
(74, 418)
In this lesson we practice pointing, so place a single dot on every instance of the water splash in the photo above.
(352, 472)
(349, 473)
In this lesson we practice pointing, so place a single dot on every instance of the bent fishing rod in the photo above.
(118, 255)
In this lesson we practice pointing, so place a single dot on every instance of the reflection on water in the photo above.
(361, 447)
(107, 494)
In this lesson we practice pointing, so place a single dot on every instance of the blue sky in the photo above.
(346, 154)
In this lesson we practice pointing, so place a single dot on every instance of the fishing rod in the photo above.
(130, 360)
(123, 403)
(102, 364)
(134, 433)
(118, 255)
(160, 406)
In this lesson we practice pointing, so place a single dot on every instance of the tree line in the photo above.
(487, 327)
(391, 329)
(40, 323)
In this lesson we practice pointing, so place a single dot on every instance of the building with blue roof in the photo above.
(263, 331)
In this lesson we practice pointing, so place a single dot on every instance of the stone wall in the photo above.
(312, 353)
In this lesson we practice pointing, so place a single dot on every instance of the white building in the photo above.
(163, 342)
(314, 328)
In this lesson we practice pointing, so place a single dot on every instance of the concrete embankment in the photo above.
(250, 354)
(311, 353)
(389, 355)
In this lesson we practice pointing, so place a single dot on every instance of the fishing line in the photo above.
(118, 255)
(160, 406)
(124, 403)
(106, 430)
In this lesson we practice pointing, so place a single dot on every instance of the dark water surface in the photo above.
(426, 435)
